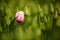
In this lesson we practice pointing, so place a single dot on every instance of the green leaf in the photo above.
(0, 28)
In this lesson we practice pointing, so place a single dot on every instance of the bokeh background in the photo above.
(41, 22)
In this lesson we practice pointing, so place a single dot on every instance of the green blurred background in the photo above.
(42, 20)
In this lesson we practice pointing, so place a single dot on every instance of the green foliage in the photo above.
(40, 20)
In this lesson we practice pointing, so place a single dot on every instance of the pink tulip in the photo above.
(19, 16)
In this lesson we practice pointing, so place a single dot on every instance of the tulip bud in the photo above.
(19, 16)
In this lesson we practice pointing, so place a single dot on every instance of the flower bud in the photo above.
(19, 16)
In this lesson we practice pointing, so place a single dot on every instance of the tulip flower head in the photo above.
(19, 16)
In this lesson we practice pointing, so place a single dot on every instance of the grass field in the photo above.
(41, 20)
